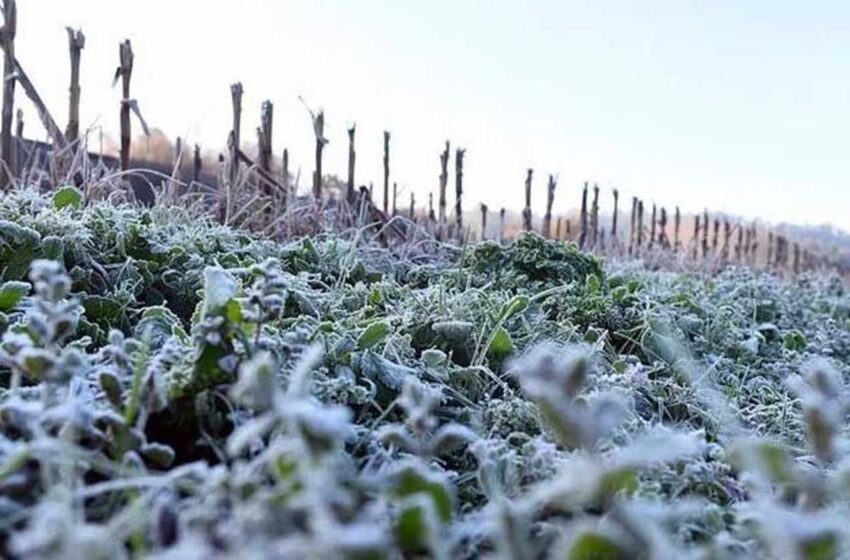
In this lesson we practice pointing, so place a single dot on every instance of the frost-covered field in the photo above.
(174, 389)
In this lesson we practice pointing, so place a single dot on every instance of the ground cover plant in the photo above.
(172, 388)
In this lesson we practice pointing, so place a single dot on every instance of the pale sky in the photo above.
(740, 106)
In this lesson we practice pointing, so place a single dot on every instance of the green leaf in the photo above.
(516, 304)
(11, 294)
(620, 293)
(616, 481)
(821, 547)
(593, 283)
(795, 341)
(52, 248)
(593, 545)
(102, 309)
(413, 481)
(233, 311)
(412, 528)
(19, 245)
(67, 196)
(373, 335)
(375, 296)
(425, 501)
(501, 345)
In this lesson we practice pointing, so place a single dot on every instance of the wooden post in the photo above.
(715, 236)
(352, 155)
(769, 249)
(550, 200)
(412, 212)
(652, 227)
(582, 238)
(220, 179)
(705, 226)
(234, 142)
(594, 216)
(178, 151)
(727, 240)
(386, 172)
(319, 127)
(639, 226)
(662, 229)
(17, 154)
(696, 237)
(483, 222)
(196, 167)
(76, 43)
(7, 36)
(754, 243)
(677, 224)
(432, 217)
(558, 229)
(459, 153)
(125, 70)
(502, 225)
(284, 176)
(395, 198)
(614, 217)
(796, 258)
(569, 230)
(264, 139)
(784, 252)
(526, 211)
(739, 244)
(444, 181)
(632, 223)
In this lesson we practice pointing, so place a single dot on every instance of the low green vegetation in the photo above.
(176, 389)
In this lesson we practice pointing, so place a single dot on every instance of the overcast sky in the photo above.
(741, 106)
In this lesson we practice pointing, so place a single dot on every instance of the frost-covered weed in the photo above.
(172, 388)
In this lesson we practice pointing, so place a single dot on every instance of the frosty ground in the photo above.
(175, 388)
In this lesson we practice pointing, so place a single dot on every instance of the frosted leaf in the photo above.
(450, 438)
(299, 381)
(398, 436)
(323, 428)
(382, 370)
(455, 332)
(257, 386)
(547, 367)
(49, 280)
(161, 455)
(360, 540)
(246, 434)
(219, 288)
(659, 446)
